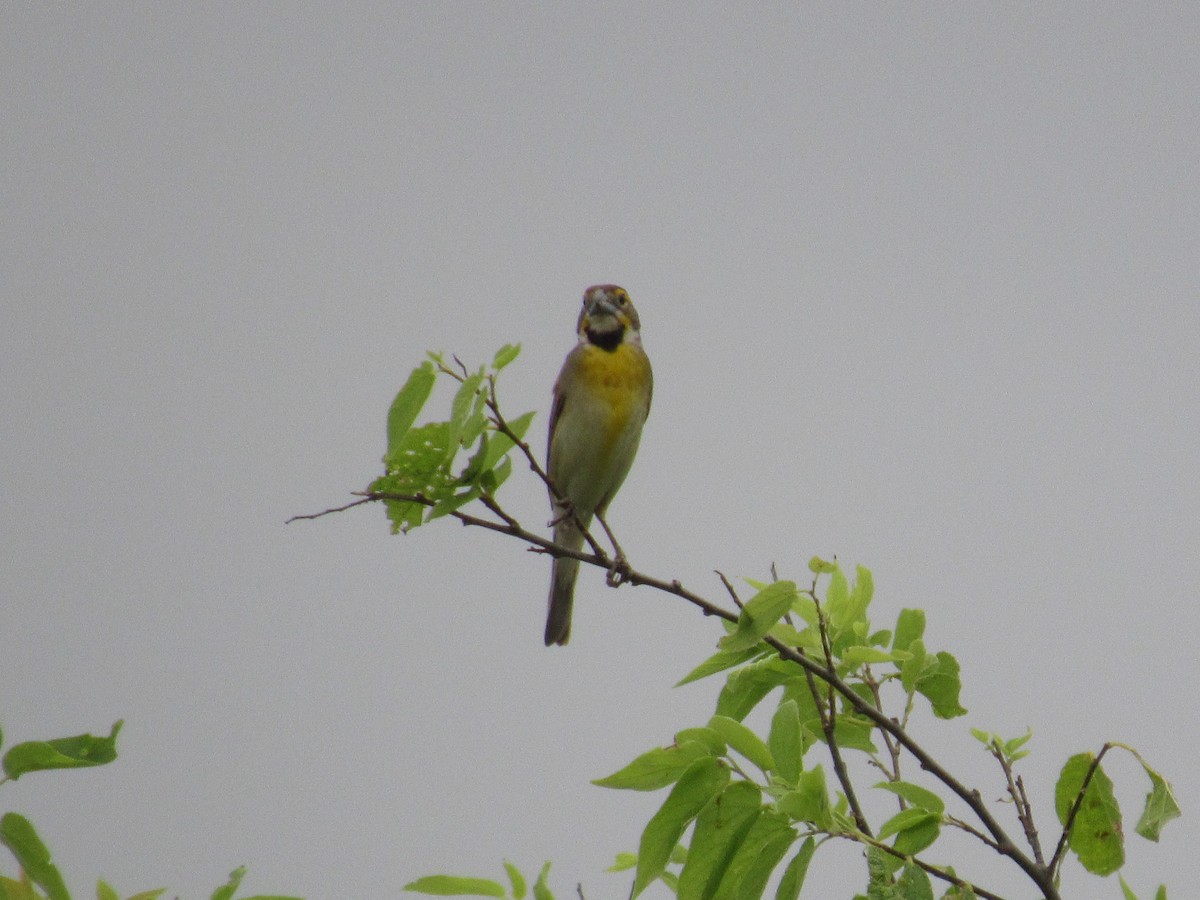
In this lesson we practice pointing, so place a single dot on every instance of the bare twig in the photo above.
(1016, 791)
(1030, 830)
(336, 509)
(974, 832)
(729, 587)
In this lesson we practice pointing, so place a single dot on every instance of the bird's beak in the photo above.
(601, 307)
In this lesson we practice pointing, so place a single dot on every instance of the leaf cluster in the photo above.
(39, 877)
(420, 461)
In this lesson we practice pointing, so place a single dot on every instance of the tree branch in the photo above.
(1003, 844)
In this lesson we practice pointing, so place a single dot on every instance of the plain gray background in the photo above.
(919, 282)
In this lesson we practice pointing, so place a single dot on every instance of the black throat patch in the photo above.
(606, 340)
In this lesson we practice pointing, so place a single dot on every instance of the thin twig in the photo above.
(974, 832)
(1030, 830)
(1020, 801)
(729, 587)
(336, 509)
(829, 724)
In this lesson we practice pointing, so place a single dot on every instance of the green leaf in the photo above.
(792, 881)
(505, 355)
(706, 736)
(1160, 808)
(919, 835)
(858, 655)
(916, 665)
(756, 857)
(453, 886)
(697, 786)
(61, 753)
(910, 626)
(624, 862)
(656, 768)
(879, 872)
(918, 796)
(541, 889)
(1013, 746)
(418, 466)
(516, 879)
(1161, 893)
(808, 640)
(984, 737)
(902, 821)
(942, 687)
(744, 741)
(19, 890)
(500, 444)
(809, 802)
(848, 606)
(465, 399)
(1125, 890)
(407, 406)
(914, 884)
(447, 505)
(954, 892)
(786, 741)
(1096, 833)
(720, 828)
(227, 890)
(103, 892)
(852, 732)
(745, 687)
(718, 662)
(18, 835)
(837, 598)
(818, 566)
(756, 618)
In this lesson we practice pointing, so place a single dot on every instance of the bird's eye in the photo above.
(622, 299)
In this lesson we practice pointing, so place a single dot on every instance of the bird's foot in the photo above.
(564, 510)
(618, 572)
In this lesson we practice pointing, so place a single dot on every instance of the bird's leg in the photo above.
(618, 572)
(564, 509)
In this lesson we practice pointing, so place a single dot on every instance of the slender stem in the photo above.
(829, 723)
(1016, 791)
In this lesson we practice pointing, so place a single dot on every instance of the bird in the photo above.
(601, 400)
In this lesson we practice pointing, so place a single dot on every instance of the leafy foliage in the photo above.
(420, 461)
(745, 807)
(40, 878)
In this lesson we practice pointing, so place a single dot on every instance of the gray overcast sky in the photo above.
(920, 285)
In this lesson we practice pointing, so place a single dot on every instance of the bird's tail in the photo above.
(562, 584)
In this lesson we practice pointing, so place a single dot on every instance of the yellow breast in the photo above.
(619, 381)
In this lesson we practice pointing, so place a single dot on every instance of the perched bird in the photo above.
(601, 400)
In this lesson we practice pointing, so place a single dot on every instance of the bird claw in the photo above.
(565, 510)
(618, 572)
